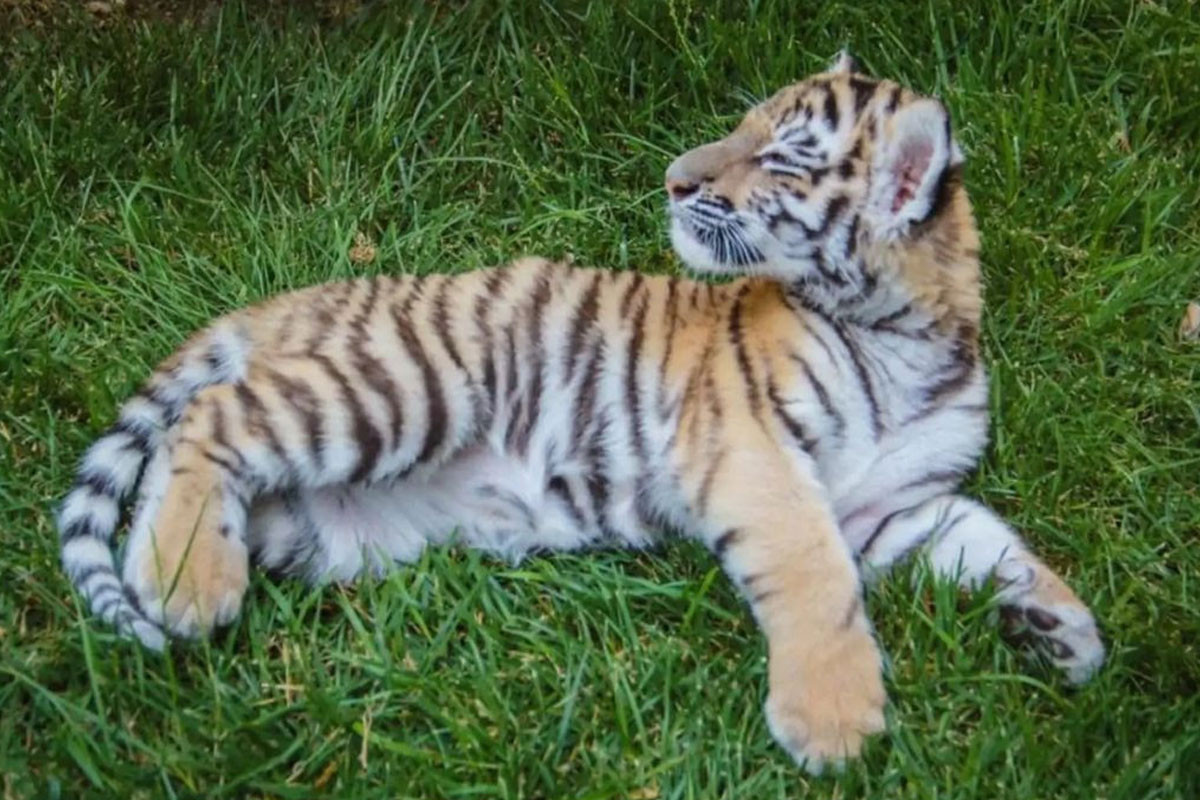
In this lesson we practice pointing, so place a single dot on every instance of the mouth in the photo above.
(708, 243)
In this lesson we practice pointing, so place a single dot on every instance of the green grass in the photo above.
(154, 176)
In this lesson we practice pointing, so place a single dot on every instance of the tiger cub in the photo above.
(809, 421)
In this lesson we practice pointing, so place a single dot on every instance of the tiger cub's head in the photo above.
(846, 188)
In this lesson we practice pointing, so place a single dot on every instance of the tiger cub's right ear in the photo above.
(843, 62)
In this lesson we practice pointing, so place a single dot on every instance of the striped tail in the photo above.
(112, 468)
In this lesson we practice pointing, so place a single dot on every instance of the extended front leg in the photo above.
(967, 542)
(777, 539)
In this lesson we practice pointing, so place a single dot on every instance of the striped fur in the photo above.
(809, 417)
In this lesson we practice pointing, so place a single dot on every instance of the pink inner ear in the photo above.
(912, 162)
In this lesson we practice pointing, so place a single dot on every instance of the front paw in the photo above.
(823, 704)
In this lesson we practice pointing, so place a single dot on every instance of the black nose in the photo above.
(681, 190)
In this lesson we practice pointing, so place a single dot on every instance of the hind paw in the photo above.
(190, 596)
(1040, 609)
(189, 575)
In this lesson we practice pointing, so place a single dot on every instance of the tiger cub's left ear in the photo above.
(843, 63)
(914, 155)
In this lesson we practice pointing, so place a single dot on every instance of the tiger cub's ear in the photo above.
(843, 62)
(915, 152)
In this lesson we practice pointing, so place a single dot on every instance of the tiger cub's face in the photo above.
(814, 179)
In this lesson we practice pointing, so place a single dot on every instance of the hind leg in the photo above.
(968, 542)
(298, 423)
(336, 533)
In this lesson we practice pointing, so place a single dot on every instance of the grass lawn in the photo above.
(154, 174)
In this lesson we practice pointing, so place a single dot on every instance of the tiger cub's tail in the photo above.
(112, 467)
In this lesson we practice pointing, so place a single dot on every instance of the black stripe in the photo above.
(103, 591)
(372, 370)
(869, 281)
(166, 409)
(257, 423)
(947, 183)
(227, 464)
(971, 408)
(819, 340)
(671, 313)
(944, 529)
(306, 542)
(834, 209)
(955, 375)
(323, 313)
(171, 409)
(212, 359)
(366, 438)
(441, 323)
(632, 396)
(725, 541)
(303, 401)
(558, 486)
(491, 288)
(515, 400)
(863, 90)
(151, 390)
(761, 597)
(597, 486)
(113, 596)
(83, 527)
(627, 298)
(831, 110)
(220, 426)
(141, 438)
(705, 489)
(852, 612)
(99, 483)
(708, 387)
(793, 425)
(435, 432)
(511, 372)
(833, 276)
(939, 476)
(81, 578)
(864, 379)
(879, 529)
(912, 546)
(532, 408)
(894, 100)
(584, 320)
(597, 459)
(416, 292)
(585, 401)
(822, 393)
(887, 319)
(738, 339)
(135, 606)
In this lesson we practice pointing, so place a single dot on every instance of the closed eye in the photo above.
(780, 161)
